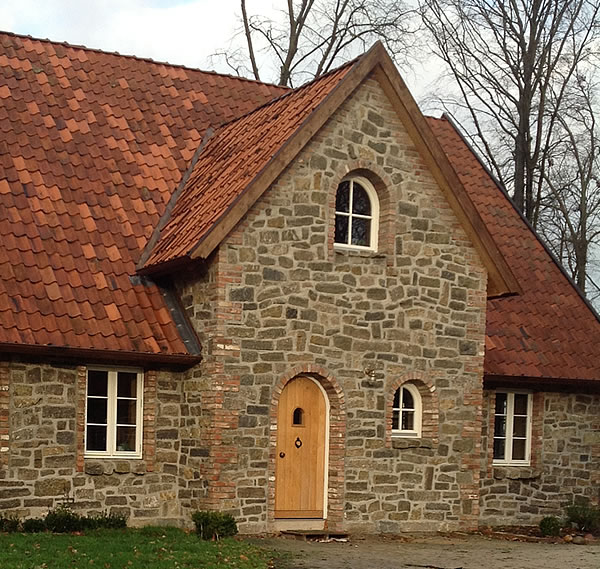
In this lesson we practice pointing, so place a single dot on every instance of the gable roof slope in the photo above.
(92, 145)
(244, 157)
(548, 331)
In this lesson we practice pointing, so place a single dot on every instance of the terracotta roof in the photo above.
(231, 159)
(548, 331)
(92, 146)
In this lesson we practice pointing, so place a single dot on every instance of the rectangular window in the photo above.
(113, 413)
(512, 428)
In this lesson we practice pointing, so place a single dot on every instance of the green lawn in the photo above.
(145, 548)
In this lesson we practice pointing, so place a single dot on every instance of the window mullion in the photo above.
(510, 417)
(112, 413)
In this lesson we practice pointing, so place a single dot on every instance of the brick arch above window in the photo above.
(429, 405)
(381, 184)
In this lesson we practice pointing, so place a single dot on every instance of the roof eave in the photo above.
(83, 356)
(569, 384)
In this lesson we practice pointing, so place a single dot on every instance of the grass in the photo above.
(144, 548)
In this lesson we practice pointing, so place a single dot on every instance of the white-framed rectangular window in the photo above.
(512, 428)
(113, 413)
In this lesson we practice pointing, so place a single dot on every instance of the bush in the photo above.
(34, 525)
(105, 521)
(63, 520)
(550, 526)
(584, 517)
(9, 524)
(214, 525)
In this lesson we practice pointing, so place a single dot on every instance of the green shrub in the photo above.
(584, 517)
(105, 521)
(63, 520)
(214, 525)
(34, 525)
(9, 524)
(550, 526)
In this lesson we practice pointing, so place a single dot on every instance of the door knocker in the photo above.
(298, 442)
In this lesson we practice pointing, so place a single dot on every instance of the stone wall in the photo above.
(565, 464)
(45, 466)
(286, 302)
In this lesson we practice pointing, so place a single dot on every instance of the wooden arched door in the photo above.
(300, 456)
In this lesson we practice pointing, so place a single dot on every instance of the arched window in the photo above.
(356, 214)
(407, 412)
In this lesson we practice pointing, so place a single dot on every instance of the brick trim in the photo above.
(429, 405)
(4, 414)
(149, 381)
(382, 184)
(337, 441)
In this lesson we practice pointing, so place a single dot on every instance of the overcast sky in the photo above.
(185, 32)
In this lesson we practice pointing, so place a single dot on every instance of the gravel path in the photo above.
(432, 552)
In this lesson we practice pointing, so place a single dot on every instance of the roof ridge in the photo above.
(448, 118)
(138, 58)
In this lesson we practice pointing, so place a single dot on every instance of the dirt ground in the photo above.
(432, 552)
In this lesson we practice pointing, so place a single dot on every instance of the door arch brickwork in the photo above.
(337, 440)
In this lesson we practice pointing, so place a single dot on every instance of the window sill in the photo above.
(110, 465)
(408, 442)
(514, 472)
(351, 252)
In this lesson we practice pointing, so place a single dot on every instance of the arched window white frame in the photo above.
(407, 412)
(356, 215)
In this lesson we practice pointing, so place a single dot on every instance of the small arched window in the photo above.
(407, 412)
(356, 214)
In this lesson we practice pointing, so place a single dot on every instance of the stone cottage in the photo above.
(309, 308)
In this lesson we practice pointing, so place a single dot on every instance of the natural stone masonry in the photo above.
(565, 461)
(286, 299)
(4, 407)
(46, 465)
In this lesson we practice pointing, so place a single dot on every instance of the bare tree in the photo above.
(514, 62)
(312, 36)
(570, 210)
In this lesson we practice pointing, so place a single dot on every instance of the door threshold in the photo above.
(299, 524)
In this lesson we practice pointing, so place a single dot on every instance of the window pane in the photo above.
(127, 384)
(342, 197)
(341, 229)
(126, 439)
(97, 410)
(499, 449)
(408, 420)
(360, 200)
(520, 427)
(500, 427)
(518, 449)
(95, 438)
(361, 231)
(298, 418)
(521, 403)
(126, 412)
(395, 419)
(407, 399)
(501, 403)
(97, 383)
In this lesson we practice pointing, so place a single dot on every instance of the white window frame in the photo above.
(508, 444)
(374, 217)
(418, 412)
(111, 427)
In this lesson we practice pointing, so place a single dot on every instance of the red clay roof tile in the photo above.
(548, 331)
(92, 145)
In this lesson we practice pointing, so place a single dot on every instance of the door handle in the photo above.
(282, 455)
